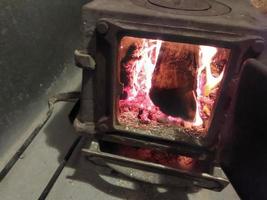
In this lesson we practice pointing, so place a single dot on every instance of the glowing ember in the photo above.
(159, 157)
(169, 84)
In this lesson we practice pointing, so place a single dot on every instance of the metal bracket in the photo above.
(84, 60)
(203, 180)
(87, 127)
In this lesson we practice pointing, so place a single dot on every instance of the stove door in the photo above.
(246, 154)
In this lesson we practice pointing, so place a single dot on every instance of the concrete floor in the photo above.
(39, 173)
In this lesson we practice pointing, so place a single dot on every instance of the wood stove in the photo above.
(159, 80)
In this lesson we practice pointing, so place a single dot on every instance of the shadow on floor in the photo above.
(104, 179)
(61, 135)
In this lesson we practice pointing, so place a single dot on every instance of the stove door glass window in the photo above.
(168, 84)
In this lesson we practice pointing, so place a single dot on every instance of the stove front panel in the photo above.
(140, 67)
(187, 118)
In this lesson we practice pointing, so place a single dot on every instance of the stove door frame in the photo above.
(106, 42)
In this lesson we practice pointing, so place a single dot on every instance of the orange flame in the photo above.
(144, 68)
(206, 54)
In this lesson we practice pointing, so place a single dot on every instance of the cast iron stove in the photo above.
(159, 79)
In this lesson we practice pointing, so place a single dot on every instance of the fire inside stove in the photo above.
(168, 84)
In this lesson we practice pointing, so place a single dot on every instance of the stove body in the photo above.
(233, 26)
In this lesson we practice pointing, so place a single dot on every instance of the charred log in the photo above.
(173, 81)
(131, 51)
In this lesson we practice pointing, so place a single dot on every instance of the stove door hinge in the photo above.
(84, 60)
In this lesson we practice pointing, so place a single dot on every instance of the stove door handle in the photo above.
(84, 60)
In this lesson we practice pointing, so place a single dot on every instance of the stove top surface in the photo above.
(221, 14)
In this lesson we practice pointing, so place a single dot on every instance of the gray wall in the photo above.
(37, 39)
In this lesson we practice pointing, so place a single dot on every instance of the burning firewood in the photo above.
(219, 62)
(173, 80)
(169, 83)
(131, 51)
